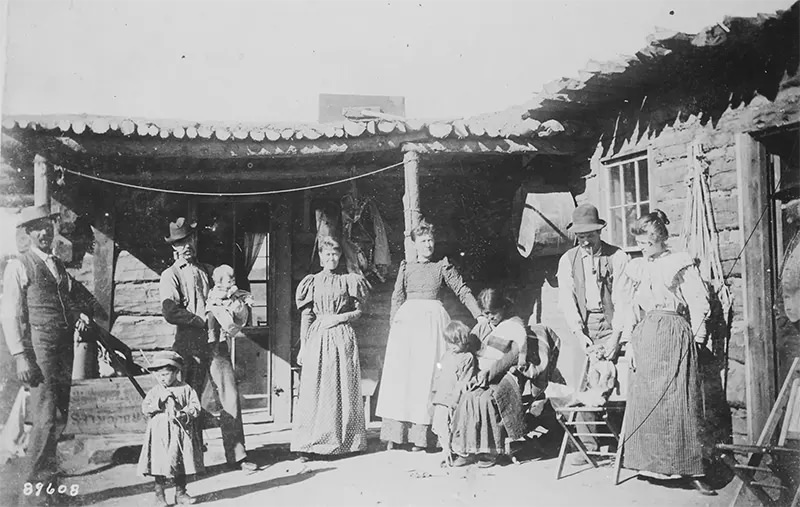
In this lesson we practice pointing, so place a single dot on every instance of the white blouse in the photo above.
(669, 282)
(512, 329)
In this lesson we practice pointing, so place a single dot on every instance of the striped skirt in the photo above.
(663, 416)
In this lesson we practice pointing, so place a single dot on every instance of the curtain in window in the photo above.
(253, 241)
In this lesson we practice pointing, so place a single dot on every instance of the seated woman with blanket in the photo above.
(491, 410)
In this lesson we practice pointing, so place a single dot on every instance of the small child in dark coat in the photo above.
(457, 367)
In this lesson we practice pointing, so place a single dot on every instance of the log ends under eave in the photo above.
(486, 146)
(216, 149)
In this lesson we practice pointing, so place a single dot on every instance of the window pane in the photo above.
(630, 219)
(259, 291)
(644, 190)
(259, 315)
(259, 271)
(616, 226)
(614, 186)
(629, 178)
(644, 209)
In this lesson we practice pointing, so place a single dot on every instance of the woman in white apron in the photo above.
(416, 343)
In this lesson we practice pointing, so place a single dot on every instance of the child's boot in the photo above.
(161, 500)
(181, 496)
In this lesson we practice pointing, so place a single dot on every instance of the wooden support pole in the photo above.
(282, 303)
(411, 211)
(759, 332)
(103, 266)
(41, 186)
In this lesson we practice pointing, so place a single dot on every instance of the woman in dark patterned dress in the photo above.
(416, 343)
(330, 413)
(663, 419)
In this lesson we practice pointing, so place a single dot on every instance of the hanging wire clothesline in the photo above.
(225, 194)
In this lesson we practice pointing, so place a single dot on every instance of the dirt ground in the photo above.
(104, 473)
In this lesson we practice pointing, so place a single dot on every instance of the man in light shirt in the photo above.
(39, 313)
(588, 290)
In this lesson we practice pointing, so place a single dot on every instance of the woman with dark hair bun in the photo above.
(663, 419)
(491, 410)
(416, 342)
(329, 417)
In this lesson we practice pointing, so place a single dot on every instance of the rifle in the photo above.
(113, 345)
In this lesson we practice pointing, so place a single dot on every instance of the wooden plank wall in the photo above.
(141, 225)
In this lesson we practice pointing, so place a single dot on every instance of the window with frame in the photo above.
(628, 197)
(258, 278)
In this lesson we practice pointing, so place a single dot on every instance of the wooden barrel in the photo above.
(543, 220)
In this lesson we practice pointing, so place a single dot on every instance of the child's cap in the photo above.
(164, 358)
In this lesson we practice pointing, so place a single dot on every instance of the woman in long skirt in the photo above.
(416, 343)
(330, 413)
(663, 420)
(491, 410)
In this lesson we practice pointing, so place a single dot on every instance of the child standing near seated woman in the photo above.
(455, 371)
(171, 447)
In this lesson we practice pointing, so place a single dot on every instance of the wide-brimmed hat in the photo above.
(34, 213)
(180, 229)
(585, 218)
(164, 358)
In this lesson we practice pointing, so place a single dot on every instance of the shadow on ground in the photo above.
(238, 491)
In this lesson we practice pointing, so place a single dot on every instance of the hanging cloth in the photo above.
(381, 256)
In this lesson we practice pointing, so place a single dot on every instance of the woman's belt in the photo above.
(422, 296)
(664, 311)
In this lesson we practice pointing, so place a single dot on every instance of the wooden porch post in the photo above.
(411, 211)
(104, 259)
(282, 302)
(41, 187)
(759, 332)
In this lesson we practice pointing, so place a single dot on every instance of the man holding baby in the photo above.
(184, 290)
(588, 291)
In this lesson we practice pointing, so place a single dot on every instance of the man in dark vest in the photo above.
(184, 289)
(40, 313)
(588, 289)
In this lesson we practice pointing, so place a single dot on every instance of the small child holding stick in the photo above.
(172, 447)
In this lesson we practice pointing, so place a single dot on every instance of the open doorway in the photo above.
(783, 213)
(238, 233)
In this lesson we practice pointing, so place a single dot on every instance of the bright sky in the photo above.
(269, 60)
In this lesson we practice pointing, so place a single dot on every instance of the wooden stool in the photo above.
(567, 418)
(602, 427)
(369, 383)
